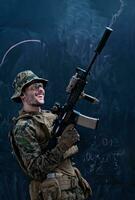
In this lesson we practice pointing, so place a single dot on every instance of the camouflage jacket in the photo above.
(32, 132)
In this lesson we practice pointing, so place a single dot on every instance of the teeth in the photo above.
(38, 95)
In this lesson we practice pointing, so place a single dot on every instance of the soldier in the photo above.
(51, 171)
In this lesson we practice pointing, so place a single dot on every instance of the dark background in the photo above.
(69, 31)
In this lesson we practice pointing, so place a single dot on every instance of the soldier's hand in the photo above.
(69, 136)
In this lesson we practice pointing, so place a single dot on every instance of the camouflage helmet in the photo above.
(23, 79)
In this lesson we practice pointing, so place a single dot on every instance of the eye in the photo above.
(35, 86)
(40, 85)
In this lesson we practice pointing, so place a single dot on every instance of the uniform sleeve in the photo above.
(38, 164)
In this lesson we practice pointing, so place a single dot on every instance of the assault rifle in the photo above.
(75, 89)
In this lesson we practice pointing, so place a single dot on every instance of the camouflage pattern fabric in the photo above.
(57, 189)
(31, 133)
(22, 79)
(31, 136)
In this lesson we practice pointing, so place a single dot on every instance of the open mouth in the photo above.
(40, 96)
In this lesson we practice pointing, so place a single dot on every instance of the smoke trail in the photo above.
(118, 13)
(15, 45)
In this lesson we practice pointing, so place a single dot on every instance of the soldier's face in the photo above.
(34, 94)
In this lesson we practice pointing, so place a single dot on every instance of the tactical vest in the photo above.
(44, 124)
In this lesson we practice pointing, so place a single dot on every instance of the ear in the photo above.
(22, 97)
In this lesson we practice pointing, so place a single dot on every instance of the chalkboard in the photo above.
(66, 34)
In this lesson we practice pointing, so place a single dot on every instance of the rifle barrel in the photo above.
(100, 46)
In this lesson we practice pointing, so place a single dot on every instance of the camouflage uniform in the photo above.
(52, 175)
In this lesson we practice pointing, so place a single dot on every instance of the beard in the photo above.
(33, 101)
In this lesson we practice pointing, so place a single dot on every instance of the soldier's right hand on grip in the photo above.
(69, 136)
